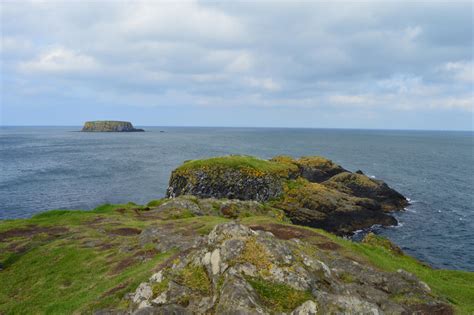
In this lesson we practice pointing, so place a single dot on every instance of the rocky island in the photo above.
(235, 235)
(109, 126)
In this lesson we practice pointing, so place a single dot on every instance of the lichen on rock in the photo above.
(219, 275)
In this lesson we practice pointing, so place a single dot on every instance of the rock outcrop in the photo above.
(233, 177)
(109, 126)
(313, 191)
(237, 269)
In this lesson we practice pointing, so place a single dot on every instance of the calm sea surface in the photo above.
(44, 168)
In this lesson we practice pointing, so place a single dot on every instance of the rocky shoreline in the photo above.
(235, 235)
(312, 191)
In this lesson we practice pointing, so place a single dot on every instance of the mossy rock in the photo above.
(232, 177)
(317, 205)
(360, 185)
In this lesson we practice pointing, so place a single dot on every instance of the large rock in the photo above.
(109, 126)
(232, 177)
(239, 270)
(319, 206)
(315, 169)
(313, 191)
(360, 185)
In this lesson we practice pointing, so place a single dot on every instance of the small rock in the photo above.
(307, 308)
(215, 261)
(157, 277)
(143, 292)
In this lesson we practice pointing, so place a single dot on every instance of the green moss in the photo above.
(278, 296)
(252, 165)
(160, 287)
(195, 278)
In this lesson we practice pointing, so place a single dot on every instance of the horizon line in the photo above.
(262, 127)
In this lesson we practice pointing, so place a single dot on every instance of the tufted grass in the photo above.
(195, 278)
(240, 162)
(278, 296)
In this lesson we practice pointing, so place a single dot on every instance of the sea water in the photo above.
(43, 168)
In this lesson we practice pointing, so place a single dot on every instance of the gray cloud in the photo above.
(325, 55)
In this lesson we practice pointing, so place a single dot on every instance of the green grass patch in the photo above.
(278, 296)
(239, 162)
(195, 278)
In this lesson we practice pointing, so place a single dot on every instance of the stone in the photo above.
(143, 292)
(307, 308)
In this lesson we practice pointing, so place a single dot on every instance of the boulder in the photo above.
(312, 191)
(232, 177)
(238, 270)
(360, 185)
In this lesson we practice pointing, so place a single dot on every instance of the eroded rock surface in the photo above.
(239, 270)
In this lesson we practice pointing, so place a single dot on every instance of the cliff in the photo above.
(109, 126)
(313, 191)
(207, 254)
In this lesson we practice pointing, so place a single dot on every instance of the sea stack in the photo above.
(109, 126)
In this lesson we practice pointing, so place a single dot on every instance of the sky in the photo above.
(374, 65)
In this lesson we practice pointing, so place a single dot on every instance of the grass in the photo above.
(75, 271)
(240, 162)
(278, 296)
(456, 287)
(195, 277)
(255, 254)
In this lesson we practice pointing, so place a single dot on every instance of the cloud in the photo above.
(325, 56)
(460, 70)
(60, 60)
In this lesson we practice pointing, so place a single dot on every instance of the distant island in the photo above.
(109, 126)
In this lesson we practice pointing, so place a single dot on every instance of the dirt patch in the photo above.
(328, 246)
(121, 210)
(285, 232)
(146, 254)
(105, 246)
(116, 289)
(94, 222)
(436, 309)
(122, 265)
(125, 231)
(32, 230)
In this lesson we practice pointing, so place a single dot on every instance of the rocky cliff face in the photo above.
(277, 269)
(109, 126)
(312, 191)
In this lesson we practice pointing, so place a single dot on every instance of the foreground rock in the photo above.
(109, 126)
(242, 270)
(312, 191)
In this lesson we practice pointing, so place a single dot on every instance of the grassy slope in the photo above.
(79, 270)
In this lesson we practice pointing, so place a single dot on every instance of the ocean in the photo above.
(43, 168)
